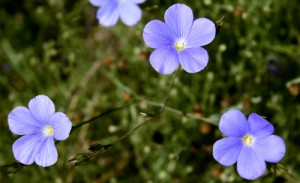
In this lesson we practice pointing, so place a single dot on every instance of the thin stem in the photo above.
(219, 23)
(100, 116)
(182, 113)
(130, 132)
(169, 90)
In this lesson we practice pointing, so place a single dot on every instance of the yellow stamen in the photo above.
(248, 140)
(48, 130)
(180, 45)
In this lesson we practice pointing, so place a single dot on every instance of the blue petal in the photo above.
(271, 148)
(47, 154)
(179, 18)
(164, 60)
(203, 32)
(24, 148)
(233, 123)
(193, 59)
(108, 15)
(259, 127)
(227, 150)
(99, 2)
(249, 164)
(41, 108)
(130, 13)
(21, 122)
(61, 126)
(157, 34)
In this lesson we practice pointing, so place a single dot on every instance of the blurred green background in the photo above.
(57, 48)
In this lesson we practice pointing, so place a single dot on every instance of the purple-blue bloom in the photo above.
(40, 125)
(178, 40)
(249, 143)
(110, 11)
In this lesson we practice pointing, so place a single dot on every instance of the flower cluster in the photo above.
(250, 143)
(40, 125)
(177, 42)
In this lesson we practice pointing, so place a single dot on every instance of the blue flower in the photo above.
(178, 40)
(40, 125)
(249, 143)
(110, 11)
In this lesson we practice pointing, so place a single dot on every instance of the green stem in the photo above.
(169, 90)
(181, 113)
(109, 111)
(130, 132)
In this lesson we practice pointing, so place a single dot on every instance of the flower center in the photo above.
(180, 45)
(248, 140)
(48, 130)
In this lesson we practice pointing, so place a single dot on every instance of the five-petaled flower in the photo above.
(40, 125)
(249, 143)
(110, 11)
(178, 40)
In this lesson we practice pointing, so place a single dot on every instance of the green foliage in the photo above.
(57, 48)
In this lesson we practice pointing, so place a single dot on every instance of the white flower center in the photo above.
(48, 130)
(248, 140)
(180, 44)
